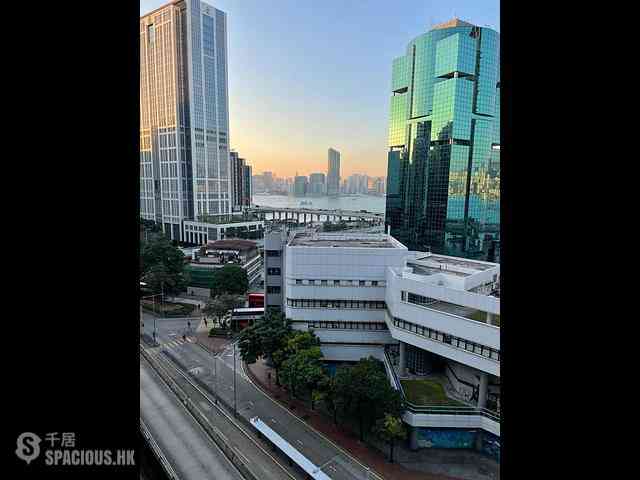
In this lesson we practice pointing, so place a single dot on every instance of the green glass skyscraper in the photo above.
(443, 181)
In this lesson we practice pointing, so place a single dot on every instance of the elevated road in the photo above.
(183, 442)
(282, 213)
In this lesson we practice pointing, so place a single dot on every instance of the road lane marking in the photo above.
(312, 429)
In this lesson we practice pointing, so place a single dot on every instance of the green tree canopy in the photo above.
(364, 391)
(221, 305)
(264, 337)
(389, 429)
(302, 369)
(230, 279)
(162, 265)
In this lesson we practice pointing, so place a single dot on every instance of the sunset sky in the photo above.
(306, 75)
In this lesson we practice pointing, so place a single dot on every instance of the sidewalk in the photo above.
(349, 442)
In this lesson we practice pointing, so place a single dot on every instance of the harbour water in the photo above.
(369, 203)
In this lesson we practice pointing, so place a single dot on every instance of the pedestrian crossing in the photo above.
(177, 343)
(168, 345)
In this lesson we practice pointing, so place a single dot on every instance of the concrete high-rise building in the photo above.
(300, 186)
(236, 166)
(247, 190)
(333, 172)
(241, 182)
(257, 184)
(379, 185)
(443, 181)
(317, 184)
(268, 181)
(184, 117)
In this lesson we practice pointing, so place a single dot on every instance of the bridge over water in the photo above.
(304, 215)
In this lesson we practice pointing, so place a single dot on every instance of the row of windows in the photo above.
(273, 271)
(349, 325)
(355, 304)
(344, 283)
(273, 289)
(448, 339)
(273, 253)
(417, 299)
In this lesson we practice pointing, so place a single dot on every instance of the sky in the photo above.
(306, 75)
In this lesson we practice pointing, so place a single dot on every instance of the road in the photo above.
(169, 329)
(185, 444)
(218, 376)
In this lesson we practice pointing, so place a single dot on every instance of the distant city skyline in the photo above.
(287, 104)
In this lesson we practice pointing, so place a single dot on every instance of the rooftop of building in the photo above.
(432, 263)
(343, 240)
(161, 7)
(455, 22)
(231, 244)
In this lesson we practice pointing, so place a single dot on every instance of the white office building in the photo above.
(422, 314)
(184, 115)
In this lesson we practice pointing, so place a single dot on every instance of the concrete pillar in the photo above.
(403, 359)
(482, 394)
(413, 438)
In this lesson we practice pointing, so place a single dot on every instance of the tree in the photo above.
(230, 279)
(221, 305)
(264, 338)
(291, 344)
(303, 369)
(389, 429)
(162, 265)
(328, 389)
(364, 391)
(317, 396)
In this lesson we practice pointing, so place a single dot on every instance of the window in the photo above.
(273, 289)
(273, 271)
(273, 253)
(298, 282)
(323, 283)
(361, 283)
(374, 283)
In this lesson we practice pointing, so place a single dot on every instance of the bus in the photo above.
(256, 300)
(243, 317)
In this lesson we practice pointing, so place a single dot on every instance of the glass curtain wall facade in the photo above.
(443, 180)
(184, 120)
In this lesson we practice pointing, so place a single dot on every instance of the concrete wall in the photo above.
(350, 353)
(452, 421)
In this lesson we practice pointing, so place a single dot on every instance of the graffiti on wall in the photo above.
(446, 438)
(491, 445)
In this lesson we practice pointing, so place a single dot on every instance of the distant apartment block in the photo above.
(333, 172)
(317, 184)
